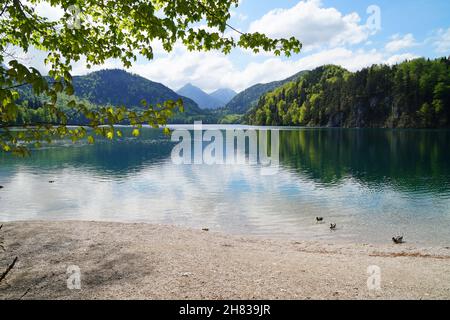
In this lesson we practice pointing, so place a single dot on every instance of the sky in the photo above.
(350, 33)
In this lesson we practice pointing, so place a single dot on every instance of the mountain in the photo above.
(248, 98)
(204, 100)
(223, 95)
(413, 94)
(118, 87)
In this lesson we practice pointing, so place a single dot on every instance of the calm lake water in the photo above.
(373, 183)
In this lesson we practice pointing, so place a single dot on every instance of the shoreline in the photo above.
(148, 261)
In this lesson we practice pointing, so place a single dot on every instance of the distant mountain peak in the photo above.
(203, 99)
(224, 95)
(190, 85)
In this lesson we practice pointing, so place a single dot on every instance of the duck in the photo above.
(51, 181)
(1, 187)
(333, 226)
(398, 239)
(319, 219)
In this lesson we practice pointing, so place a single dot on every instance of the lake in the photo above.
(373, 183)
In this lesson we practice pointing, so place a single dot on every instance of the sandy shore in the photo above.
(141, 261)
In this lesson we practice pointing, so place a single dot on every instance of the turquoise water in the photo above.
(373, 183)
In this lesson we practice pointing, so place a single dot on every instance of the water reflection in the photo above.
(413, 160)
(373, 183)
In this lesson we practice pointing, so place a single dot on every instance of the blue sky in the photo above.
(332, 31)
(421, 18)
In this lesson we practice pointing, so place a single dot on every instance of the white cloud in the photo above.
(351, 60)
(442, 41)
(44, 9)
(32, 58)
(395, 59)
(214, 70)
(317, 27)
(238, 15)
(79, 67)
(313, 24)
(179, 67)
(399, 43)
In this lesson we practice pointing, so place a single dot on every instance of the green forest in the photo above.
(413, 94)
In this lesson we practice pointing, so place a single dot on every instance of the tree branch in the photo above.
(4, 9)
(217, 17)
(16, 86)
(3, 276)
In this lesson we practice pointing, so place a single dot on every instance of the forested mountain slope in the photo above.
(413, 94)
(118, 87)
(248, 98)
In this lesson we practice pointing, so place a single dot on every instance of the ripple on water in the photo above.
(371, 194)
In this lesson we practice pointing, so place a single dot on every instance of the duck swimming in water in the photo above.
(319, 219)
(398, 239)
(333, 226)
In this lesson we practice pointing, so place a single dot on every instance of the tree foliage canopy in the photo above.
(102, 30)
